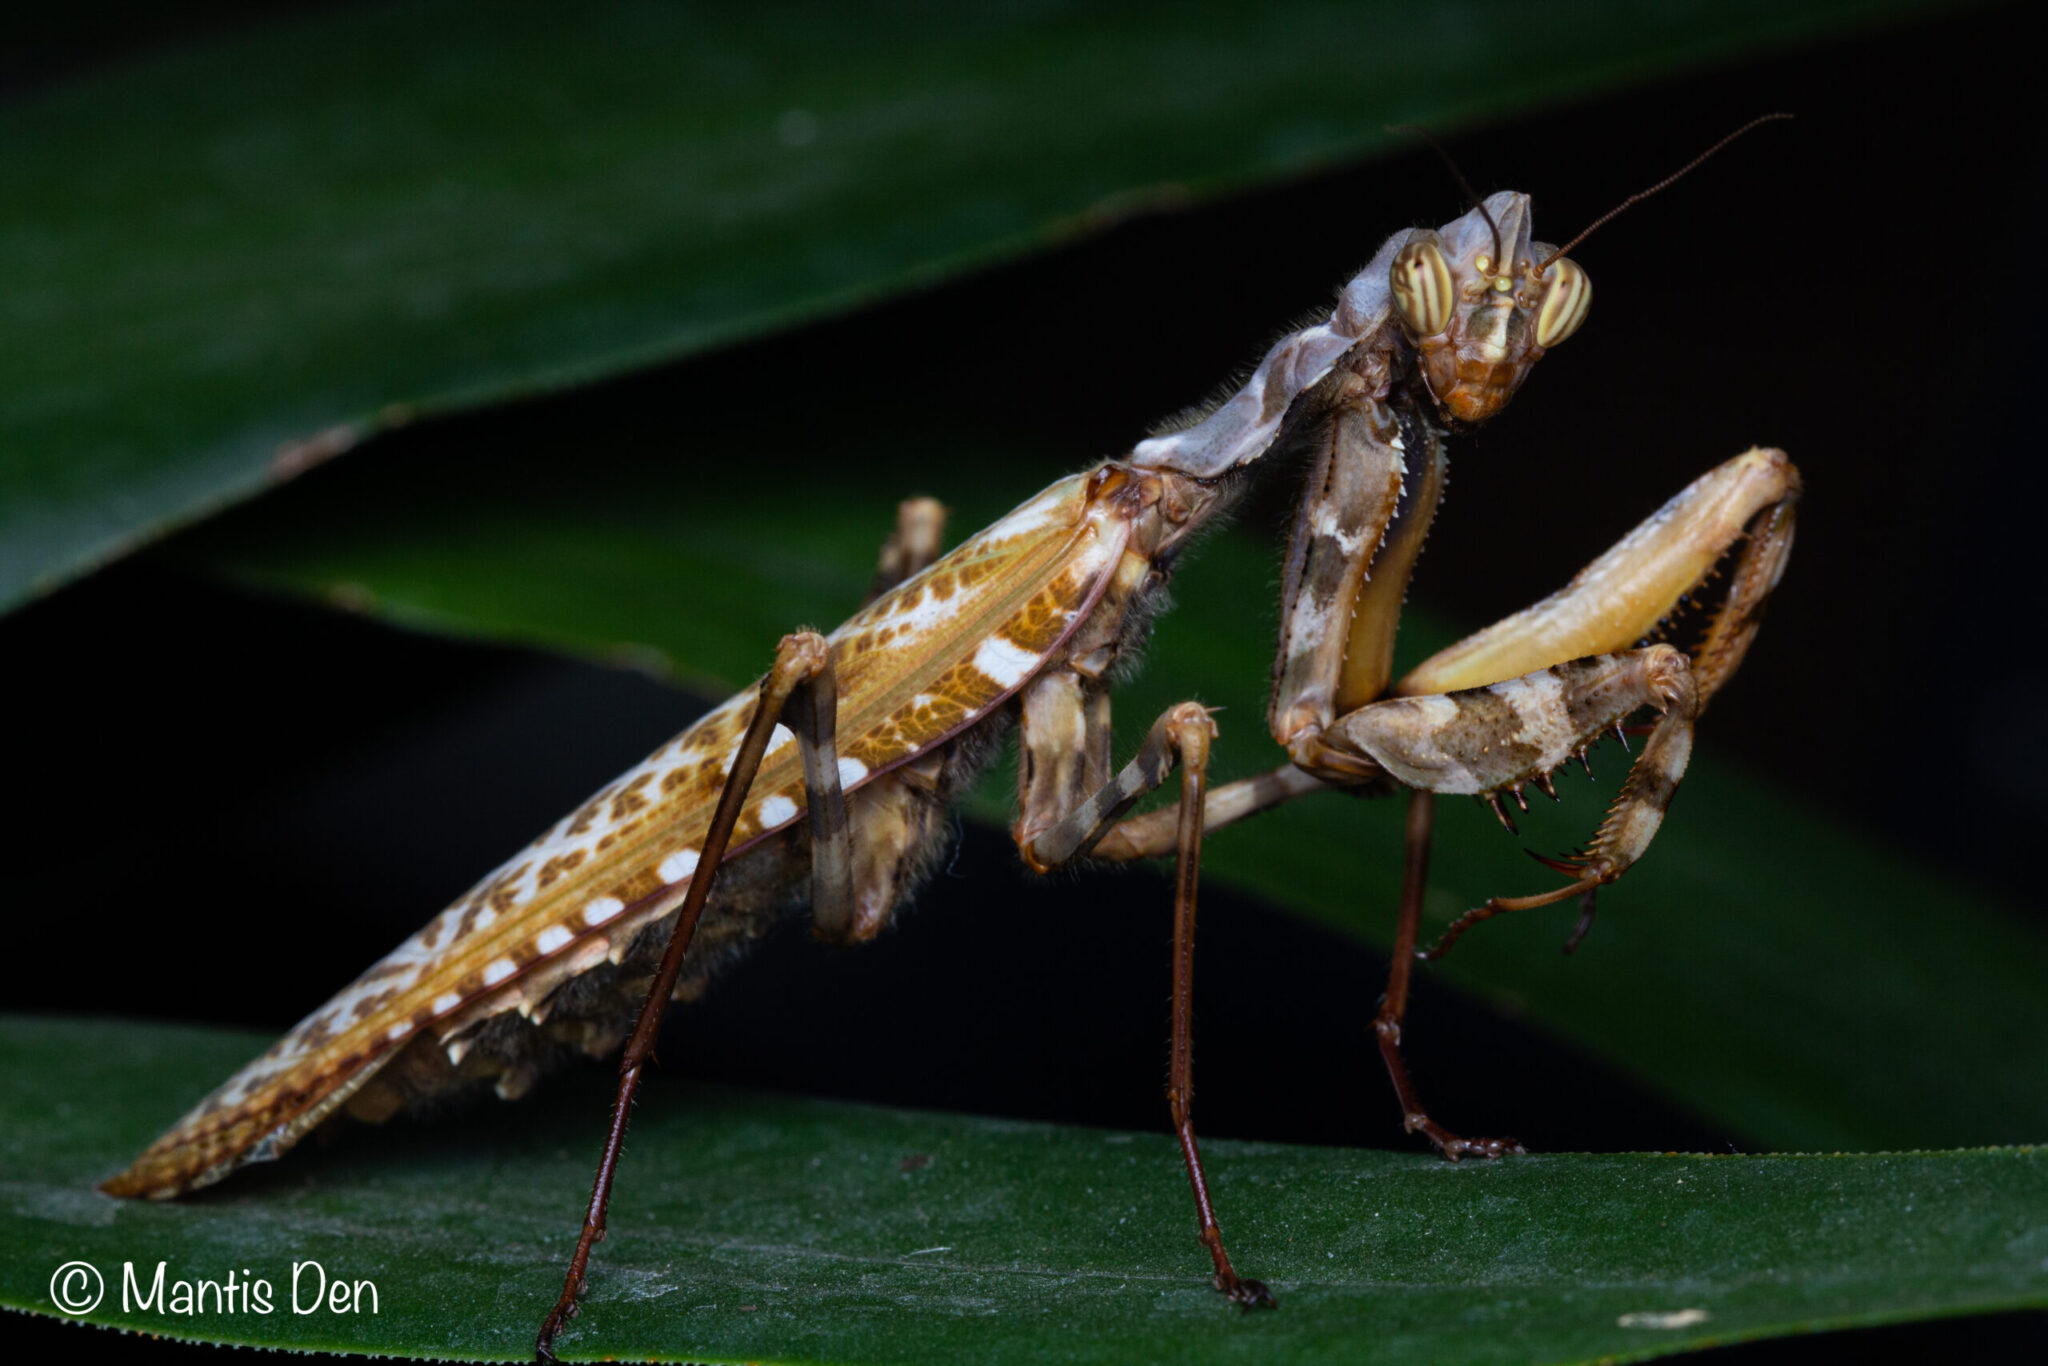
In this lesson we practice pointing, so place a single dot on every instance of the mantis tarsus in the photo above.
(612, 913)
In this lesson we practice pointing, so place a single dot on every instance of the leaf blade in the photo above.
(787, 1229)
(229, 263)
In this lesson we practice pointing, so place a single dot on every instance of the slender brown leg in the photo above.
(1048, 839)
(1055, 838)
(1578, 934)
(1154, 834)
(1501, 905)
(801, 657)
(1193, 743)
(813, 715)
(1394, 1005)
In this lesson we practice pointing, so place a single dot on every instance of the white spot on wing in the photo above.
(851, 771)
(924, 610)
(602, 909)
(499, 971)
(398, 1031)
(775, 810)
(1003, 661)
(678, 865)
(551, 938)
(446, 1002)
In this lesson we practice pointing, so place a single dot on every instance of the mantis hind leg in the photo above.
(799, 689)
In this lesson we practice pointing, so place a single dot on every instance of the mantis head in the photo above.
(1481, 302)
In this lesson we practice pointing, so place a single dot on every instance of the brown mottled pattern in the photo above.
(1484, 739)
(1376, 612)
(1486, 736)
(907, 680)
(629, 798)
(556, 868)
(1352, 493)
(1638, 810)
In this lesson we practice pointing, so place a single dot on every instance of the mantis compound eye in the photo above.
(1422, 288)
(1564, 303)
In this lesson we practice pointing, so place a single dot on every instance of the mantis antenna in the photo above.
(1640, 195)
(1471, 195)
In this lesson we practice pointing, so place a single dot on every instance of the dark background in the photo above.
(1869, 298)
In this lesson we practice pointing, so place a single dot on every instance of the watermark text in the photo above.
(77, 1288)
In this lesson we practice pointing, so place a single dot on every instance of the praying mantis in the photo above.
(827, 784)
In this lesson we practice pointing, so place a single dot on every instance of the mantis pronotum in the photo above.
(828, 783)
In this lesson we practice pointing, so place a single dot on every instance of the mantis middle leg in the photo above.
(1065, 813)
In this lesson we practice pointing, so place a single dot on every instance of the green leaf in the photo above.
(229, 262)
(782, 1229)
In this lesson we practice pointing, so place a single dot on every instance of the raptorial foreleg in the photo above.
(1732, 526)
(1499, 739)
(1494, 741)
(1632, 822)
